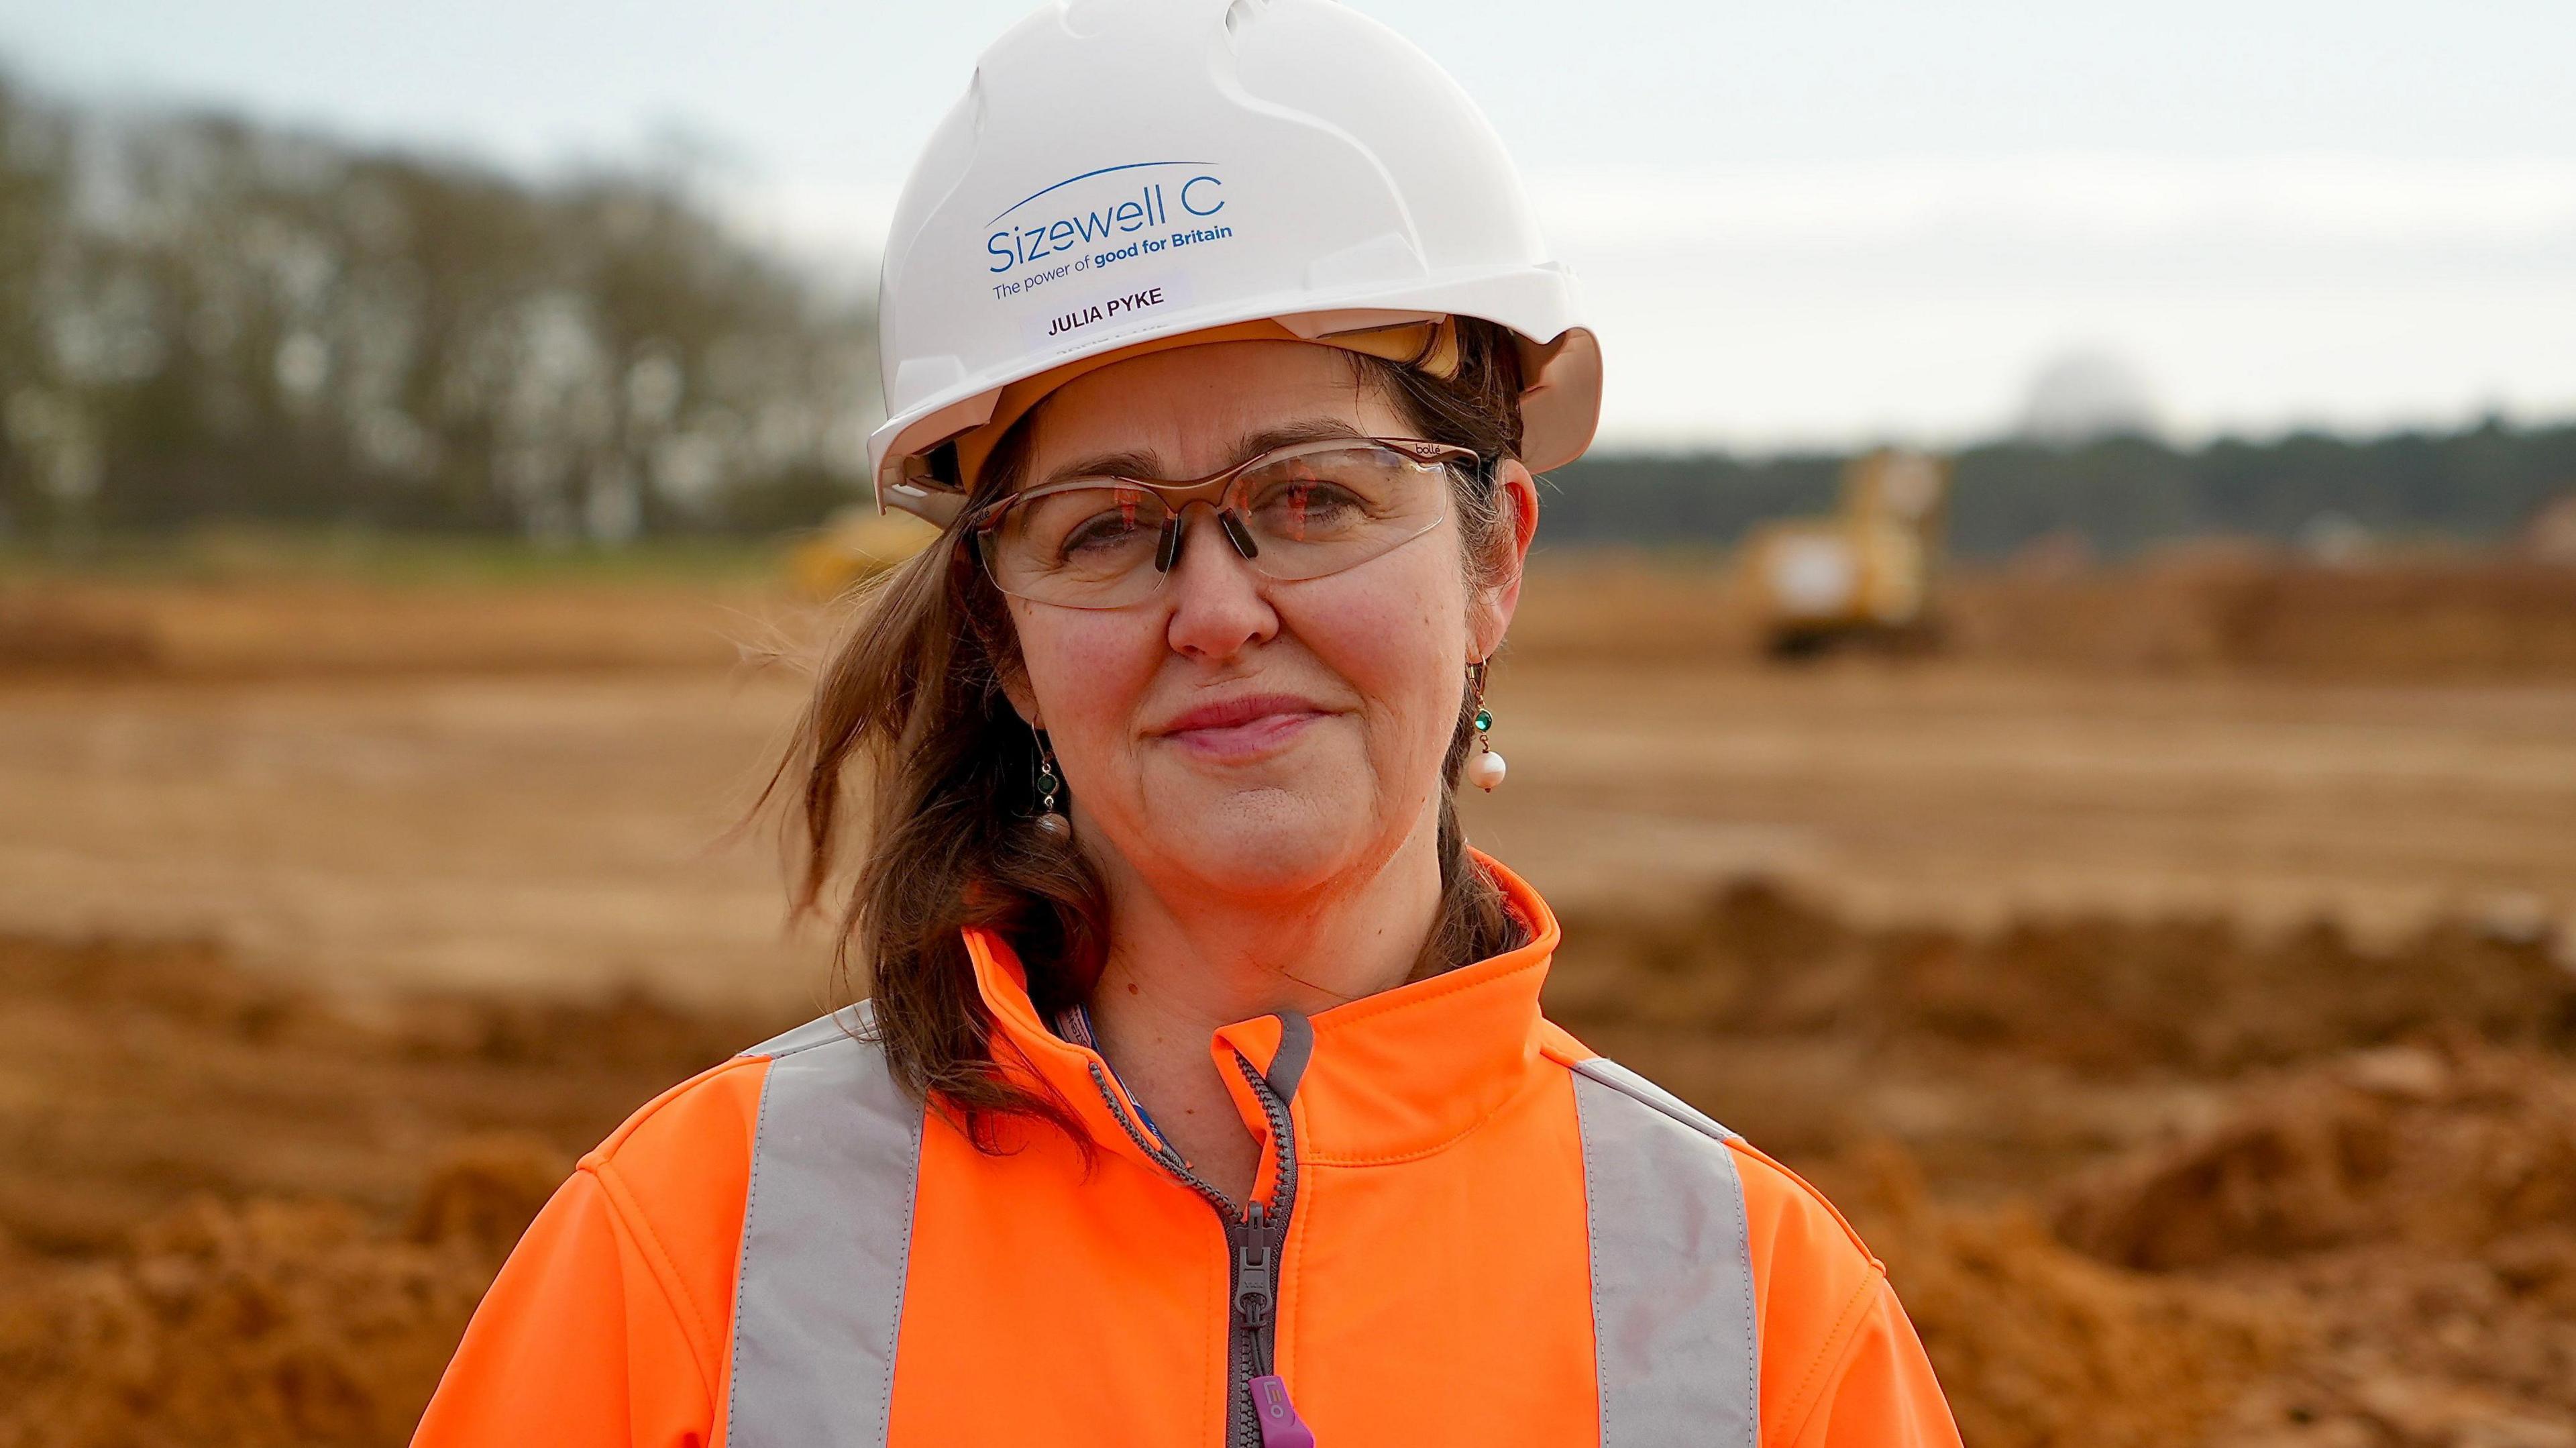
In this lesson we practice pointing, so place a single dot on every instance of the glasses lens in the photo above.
(1303, 515)
(1085, 547)
(1321, 512)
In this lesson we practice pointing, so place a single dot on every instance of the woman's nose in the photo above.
(1215, 597)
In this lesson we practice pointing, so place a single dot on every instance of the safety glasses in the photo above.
(1296, 512)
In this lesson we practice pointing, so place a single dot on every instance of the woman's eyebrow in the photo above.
(1314, 429)
(1136, 464)
(1117, 464)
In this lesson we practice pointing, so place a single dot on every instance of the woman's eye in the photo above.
(1296, 508)
(1104, 530)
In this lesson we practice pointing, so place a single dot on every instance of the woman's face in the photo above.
(1231, 733)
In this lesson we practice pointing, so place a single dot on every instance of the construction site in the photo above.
(2171, 967)
(2044, 693)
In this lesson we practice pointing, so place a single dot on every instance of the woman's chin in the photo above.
(1264, 840)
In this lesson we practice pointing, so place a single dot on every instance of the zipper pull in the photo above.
(1280, 1425)
(1253, 1294)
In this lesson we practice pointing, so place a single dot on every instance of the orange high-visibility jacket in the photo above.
(1468, 1230)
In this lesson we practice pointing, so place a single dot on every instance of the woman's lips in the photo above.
(1239, 729)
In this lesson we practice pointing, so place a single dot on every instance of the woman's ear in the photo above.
(1490, 614)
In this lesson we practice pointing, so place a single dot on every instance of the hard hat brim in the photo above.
(1561, 400)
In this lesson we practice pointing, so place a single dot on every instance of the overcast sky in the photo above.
(1796, 223)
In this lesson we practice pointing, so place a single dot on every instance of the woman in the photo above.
(1203, 1094)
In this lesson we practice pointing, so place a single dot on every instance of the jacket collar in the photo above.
(1395, 1075)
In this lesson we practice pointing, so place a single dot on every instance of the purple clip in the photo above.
(1280, 1425)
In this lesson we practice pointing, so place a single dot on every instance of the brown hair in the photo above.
(914, 688)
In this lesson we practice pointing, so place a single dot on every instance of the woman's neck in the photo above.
(1185, 963)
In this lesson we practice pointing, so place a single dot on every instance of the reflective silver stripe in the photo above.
(827, 1225)
(1673, 1321)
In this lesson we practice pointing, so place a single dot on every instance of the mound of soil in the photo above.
(135, 1076)
(46, 634)
(2445, 1148)
(2039, 1345)
(2293, 1191)
(2098, 995)
(2210, 606)
(2221, 608)
(2412, 1207)
(2327, 1196)
(216, 1227)
(264, 1323)
(285, 628)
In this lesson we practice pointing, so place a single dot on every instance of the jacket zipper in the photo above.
(1259, 1413)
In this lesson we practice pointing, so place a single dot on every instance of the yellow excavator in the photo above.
(1864, 574)
(857, 543)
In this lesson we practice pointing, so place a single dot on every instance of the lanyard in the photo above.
(1074, 1025)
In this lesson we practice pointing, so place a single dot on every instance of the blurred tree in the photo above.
(200, 319)
(203, 319)
(42, 467)
(2119, 493)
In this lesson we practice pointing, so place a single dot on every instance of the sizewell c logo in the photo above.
(1097, 222)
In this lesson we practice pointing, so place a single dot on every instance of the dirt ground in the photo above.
(2194, 1033)
(572, 830)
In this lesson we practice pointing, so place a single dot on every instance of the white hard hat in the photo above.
(1121, 171)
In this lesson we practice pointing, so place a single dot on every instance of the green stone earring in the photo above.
(1485, 768)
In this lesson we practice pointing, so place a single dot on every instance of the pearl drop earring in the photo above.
(1485, 768)
(1050, 822)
